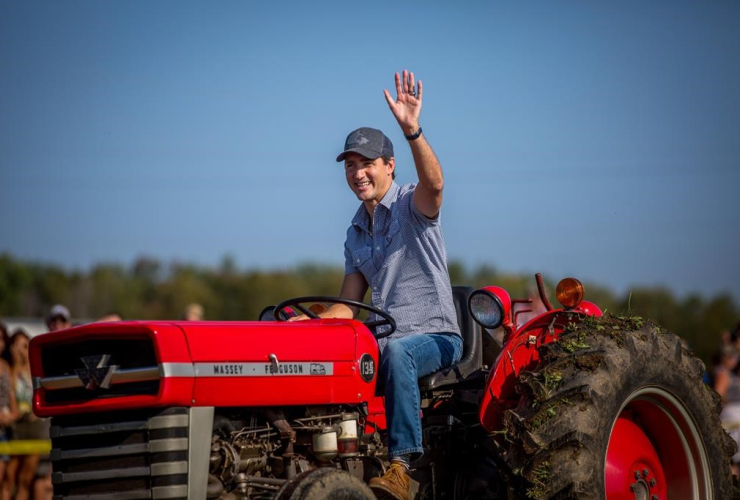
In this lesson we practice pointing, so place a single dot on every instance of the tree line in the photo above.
(151, 289)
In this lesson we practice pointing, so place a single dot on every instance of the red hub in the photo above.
(633, 468)
(655, 451)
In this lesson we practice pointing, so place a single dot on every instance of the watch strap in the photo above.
(414, 136)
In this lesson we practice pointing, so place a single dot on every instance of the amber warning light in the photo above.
(569, 292)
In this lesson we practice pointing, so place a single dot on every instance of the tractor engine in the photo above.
(227, 454)
(254, 453)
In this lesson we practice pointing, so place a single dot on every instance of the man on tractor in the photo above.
(395, 247)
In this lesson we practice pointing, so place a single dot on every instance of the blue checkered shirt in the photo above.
(403, 259)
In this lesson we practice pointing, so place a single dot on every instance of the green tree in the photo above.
(150, 290)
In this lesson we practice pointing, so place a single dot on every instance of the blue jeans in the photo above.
(403, 362)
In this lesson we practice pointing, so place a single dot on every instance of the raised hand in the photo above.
(407, 106)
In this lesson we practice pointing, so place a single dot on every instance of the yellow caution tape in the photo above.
(25, 447)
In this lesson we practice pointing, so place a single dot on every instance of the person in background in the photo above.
(194, 312)
(22, 468)
(733, 337)
(58, 318)
(8, 409)
(727, 385)
(110, 317)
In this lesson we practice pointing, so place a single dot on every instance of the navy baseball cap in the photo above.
(369, 142)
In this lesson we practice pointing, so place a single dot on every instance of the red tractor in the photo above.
(572, 404)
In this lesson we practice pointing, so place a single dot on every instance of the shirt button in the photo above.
(375, 288)
(377, 248)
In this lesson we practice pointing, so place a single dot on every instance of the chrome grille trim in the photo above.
(169, 469)
(73, 477)
(131, 449)
(120, 376)
(176, 370)
(163, 492)
(121, 495)
(127, 455)
(160, 422)
(161, 446)
(82, 430)
(165, 445)
(163, 469)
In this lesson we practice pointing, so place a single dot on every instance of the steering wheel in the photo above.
(386, 319)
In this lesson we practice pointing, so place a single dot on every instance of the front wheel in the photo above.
(617, 410)
(325, 484)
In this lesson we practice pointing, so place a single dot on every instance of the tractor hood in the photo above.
(126, 365)
(329, 340)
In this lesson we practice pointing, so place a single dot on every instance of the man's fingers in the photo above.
(406, 84)
(389, 100)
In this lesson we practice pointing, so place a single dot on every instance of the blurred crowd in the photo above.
(24, 473)
(725, 378)
(25, 469)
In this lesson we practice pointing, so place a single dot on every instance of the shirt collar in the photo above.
(362, 218)
(390, 196)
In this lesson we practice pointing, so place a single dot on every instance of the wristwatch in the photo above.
(413, 136)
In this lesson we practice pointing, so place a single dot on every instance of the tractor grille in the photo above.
(136, 370)
(121, 456)
(80, 394)
(64, 359)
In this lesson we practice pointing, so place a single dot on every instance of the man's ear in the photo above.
(391, 165)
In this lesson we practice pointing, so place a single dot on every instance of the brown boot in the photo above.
(394, 485)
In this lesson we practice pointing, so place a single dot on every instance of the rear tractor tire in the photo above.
(617, 410)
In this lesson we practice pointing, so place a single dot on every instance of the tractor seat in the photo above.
(472, 333)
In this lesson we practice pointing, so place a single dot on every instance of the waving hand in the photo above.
(407, 106)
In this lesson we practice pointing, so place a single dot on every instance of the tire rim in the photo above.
(655, 451)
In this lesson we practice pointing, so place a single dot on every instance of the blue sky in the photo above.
(594, 139)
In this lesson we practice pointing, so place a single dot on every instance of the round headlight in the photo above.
(569, 292)
(486, 309)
